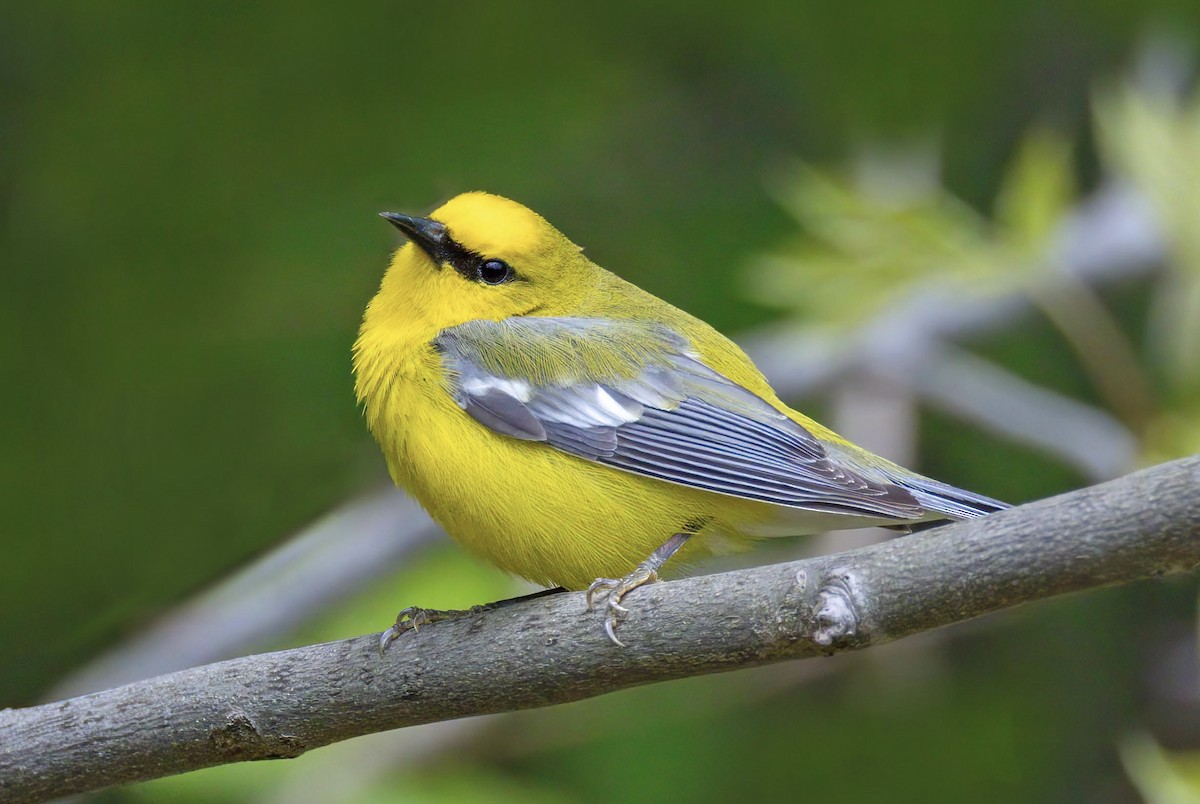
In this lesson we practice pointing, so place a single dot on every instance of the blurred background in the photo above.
(967, 236)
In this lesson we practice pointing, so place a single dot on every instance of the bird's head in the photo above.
(480, 256)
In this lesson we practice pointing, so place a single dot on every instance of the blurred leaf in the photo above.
(864, 252)
(865, 249)
(1174, 433)
(1037, 192)
(1162, 777)
(1152, 138)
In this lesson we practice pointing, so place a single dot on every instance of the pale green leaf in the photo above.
(1037, 191)
(1162, 777)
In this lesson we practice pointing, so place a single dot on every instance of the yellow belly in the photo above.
(532, 510)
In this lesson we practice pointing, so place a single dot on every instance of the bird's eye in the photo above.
(495, 272)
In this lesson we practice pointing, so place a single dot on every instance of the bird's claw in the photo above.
(413, 617)
(610, 625)
(388, 637)
(410, 619)
(615, 590)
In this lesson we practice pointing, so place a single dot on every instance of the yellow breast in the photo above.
(547, 516)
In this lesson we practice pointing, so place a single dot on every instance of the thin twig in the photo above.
(1103, 350)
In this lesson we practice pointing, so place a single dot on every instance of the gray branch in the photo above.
(551, 651)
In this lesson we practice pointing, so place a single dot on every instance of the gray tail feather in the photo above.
(951, 502)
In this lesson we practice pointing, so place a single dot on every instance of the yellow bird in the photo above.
(577, 431)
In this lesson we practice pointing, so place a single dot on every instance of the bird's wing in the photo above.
(636, 397)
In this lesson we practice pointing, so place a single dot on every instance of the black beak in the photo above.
(428, 234)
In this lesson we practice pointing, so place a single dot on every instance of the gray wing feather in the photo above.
(749, 460)
(674, 419)
(503, 413)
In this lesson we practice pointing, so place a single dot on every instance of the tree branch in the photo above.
(551, 651)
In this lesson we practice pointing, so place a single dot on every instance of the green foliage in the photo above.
(864, 251)
(1152, 138)
(868, 247)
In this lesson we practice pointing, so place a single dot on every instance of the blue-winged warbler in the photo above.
(576, 430)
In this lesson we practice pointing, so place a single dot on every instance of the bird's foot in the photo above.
(615, 589)
(413, 617)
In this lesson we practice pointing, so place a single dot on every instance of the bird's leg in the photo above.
(413, 617)
(617, 588)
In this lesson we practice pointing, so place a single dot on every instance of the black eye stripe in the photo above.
(476, 267)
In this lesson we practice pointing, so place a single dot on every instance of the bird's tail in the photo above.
(950, 501)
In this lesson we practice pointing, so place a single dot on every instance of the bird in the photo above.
(578, 431)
